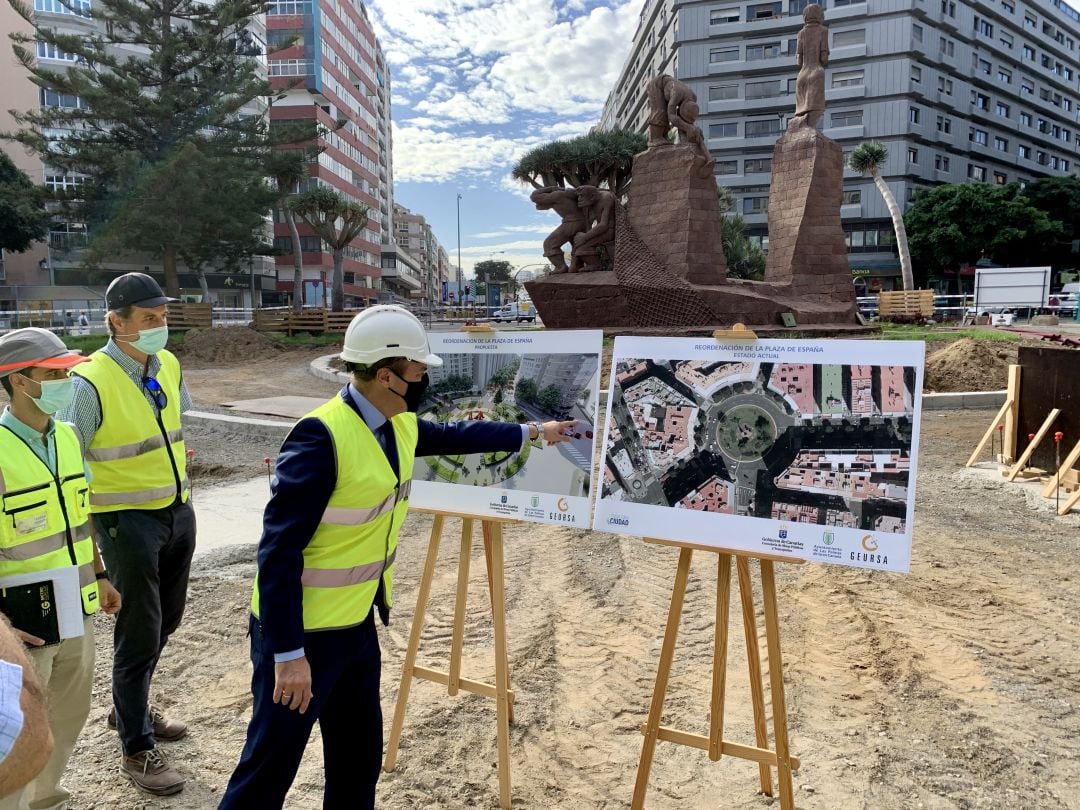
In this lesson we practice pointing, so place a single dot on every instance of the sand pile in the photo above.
(225, 344)
(970, 365)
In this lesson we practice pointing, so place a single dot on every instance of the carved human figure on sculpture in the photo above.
(812, 55)
(564, 202)
(673, 104)
(599, 207)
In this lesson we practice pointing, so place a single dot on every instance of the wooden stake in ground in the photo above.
(1058, 436)
(452, 679)
(1034, 440)
(714, 743)
(996, 425)
(1063, 470)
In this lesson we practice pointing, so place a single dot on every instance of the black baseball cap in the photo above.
(135, 289)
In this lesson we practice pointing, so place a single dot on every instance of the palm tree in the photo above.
(322, 209)
(289, 167)
(867, 159)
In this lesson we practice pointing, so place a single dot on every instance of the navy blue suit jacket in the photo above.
(305, 477)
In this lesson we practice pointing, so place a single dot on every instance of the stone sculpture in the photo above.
(599, 207)
(673, 104)
(564, 202)
(812, 55)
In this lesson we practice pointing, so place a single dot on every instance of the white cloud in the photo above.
(429, 155)
(512, 229)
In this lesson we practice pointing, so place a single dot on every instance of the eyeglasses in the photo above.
(154, 387)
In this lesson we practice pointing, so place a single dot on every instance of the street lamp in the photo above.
(459, 244)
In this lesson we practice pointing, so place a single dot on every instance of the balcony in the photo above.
(63, 243)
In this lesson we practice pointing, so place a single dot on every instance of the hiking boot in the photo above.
(150, 771)
(165, 730)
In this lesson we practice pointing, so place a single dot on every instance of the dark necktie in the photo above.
(389, 445)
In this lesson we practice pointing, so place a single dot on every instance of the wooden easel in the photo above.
(452, 679)
(714, 743)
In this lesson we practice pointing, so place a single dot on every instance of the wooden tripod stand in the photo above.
(714, 743)
(452, 679)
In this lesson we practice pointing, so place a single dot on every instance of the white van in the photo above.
(517, 311)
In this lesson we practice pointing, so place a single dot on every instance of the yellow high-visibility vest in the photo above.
(45, 518)
(137, 460)
(356, 540)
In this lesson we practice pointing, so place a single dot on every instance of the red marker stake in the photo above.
(1057, 463)
(1031, 438)
(266, 461)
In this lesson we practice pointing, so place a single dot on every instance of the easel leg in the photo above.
(502, 675)
(776, 683)
(753, 659)
(486, 527)
(663, 671)
(458, 637)
(414, 644)
(716, 706)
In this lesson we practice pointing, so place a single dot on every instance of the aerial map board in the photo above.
(800, 448)
(514, 377)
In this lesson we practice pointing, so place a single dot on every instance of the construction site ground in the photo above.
(955, 686)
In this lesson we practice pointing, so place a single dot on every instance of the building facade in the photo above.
(333, 70)
(413, 233)
(958, 91)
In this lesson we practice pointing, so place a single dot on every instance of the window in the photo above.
(1004, 76)
(913, 156)
(1001, 144)
(856, 36)
(1006, 40)
(755, 205)
(50, 98)
(1025, 119)
(913, 115)
(985, 67)
(1043, 125)
(280, 37)
(852, 197)
(947, 47)
(288, 7)
(1030, 21)
(1023, 152)
(757, 165)
(1041, 157)
(984, 28)
(847, 78)
(1008, 6)
(766, 126)
(1002, 110)
(941, 163)
(80, 8)
(46, 50)
(979, 136)
(291, 67)
(916, 74)
(945, 85)
(63, 182)
(980, 101)
(944, 124)
(1029, 53)
(766, 50)
(728, 129)
(769, 89)
(916, 33)
(763, 11)
(847, 118)
(719, 16)
(721, 92)
(1000, 178)
(977, 173)
(1027, 87)
(727, 167)
(723, 55)
(948, 8)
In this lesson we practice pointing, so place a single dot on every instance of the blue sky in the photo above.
(478, 82)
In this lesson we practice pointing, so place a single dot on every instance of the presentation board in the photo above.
(800, 448)
(514, 377)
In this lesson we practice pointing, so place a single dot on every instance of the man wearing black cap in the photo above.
(127, 410)
(45, 534)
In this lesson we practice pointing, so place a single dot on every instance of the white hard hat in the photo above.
(387, 331)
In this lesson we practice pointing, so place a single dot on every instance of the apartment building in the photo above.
(51, 276)
(333, 69)
(985, 91)
(413, 233)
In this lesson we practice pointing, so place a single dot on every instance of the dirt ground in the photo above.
(955, 686)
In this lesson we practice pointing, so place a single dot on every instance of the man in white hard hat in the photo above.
(326, 562)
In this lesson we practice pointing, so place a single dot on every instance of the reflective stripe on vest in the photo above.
(44, 519)
(135, 461)
(355, 544)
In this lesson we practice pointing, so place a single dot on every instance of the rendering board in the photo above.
(514, 377)
(797, 448)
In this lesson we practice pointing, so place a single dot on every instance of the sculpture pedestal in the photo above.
(806, 239)
(676, 213)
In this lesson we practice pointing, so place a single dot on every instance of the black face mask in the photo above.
(414, 391)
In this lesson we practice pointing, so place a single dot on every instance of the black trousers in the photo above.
(345, 667)
(148, 556)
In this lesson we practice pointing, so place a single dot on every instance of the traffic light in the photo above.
(466, 289)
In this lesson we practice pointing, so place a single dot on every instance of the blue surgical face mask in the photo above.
(150, 341)
(56, 395)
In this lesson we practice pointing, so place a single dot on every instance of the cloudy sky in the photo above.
(478, 82)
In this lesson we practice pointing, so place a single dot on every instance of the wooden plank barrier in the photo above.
(906, 302)
(190, 316)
